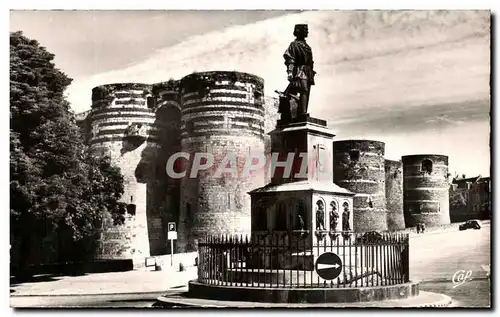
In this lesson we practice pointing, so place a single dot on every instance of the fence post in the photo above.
(407, 258)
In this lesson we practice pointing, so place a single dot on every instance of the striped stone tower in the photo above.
(121, 126)
(359, 166)
(426, 190)
(223, 115)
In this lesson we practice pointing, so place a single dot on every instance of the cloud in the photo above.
(409, 77)
(363, 58)
(412, 118)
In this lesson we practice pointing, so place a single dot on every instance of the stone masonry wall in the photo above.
(168, 119)
(222, 112)
(114, 108)
(359, 166)
(426, 190)
(271, 116)
(394, 194)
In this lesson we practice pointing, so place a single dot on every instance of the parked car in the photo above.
(471, 224)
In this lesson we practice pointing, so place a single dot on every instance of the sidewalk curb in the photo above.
(159, 293)
(445, 302)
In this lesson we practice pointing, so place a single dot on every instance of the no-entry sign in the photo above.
(328, 266)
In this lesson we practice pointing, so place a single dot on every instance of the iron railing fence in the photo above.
(281, 259)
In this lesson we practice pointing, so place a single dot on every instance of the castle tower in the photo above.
(394, 194)
(121, 123)
(222, 114)
(168, 120)
(359, 166)
(426, 190)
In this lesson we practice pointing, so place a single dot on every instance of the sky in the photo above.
(416, 80)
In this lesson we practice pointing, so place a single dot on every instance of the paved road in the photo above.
(437, 257)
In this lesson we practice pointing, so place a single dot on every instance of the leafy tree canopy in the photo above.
(55, 185)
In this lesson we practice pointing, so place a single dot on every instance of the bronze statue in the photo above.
(299, 63)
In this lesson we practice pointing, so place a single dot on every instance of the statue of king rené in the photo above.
(299, 65)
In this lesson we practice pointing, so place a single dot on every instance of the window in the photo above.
(131, 209)
(151, 102)
(354, 155)
(189, 127)
(427, 166)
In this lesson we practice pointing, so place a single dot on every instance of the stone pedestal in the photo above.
(307, 143)
(301, 195)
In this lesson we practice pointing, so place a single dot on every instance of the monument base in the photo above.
(303, 118)
(424, 299)
(320, 295)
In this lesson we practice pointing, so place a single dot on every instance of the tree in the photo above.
(57, 190)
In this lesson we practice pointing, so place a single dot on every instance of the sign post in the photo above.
(328, 266)
(172, 235)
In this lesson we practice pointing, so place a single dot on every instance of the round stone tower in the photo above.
(359, 166)
(222, 115)
(121, 124)
(394, 194)
(425, 190)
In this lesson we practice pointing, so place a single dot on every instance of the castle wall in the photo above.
(168, 114)
(271, 116)
(359, 166)
(426, 190)
(394, 194)
(222, 112)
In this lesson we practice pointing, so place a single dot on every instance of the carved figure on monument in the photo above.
(299, 63)
(334, 216)
(345, 218)
(320, 216)
(300, 223)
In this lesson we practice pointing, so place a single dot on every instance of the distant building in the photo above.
(470, 198)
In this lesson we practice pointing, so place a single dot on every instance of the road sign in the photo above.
(328, 266)
(172, 226)
(172, 235)
(150, 262)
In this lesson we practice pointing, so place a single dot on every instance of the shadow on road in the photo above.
(16, 281)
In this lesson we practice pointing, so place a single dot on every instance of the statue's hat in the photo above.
(300, 27)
